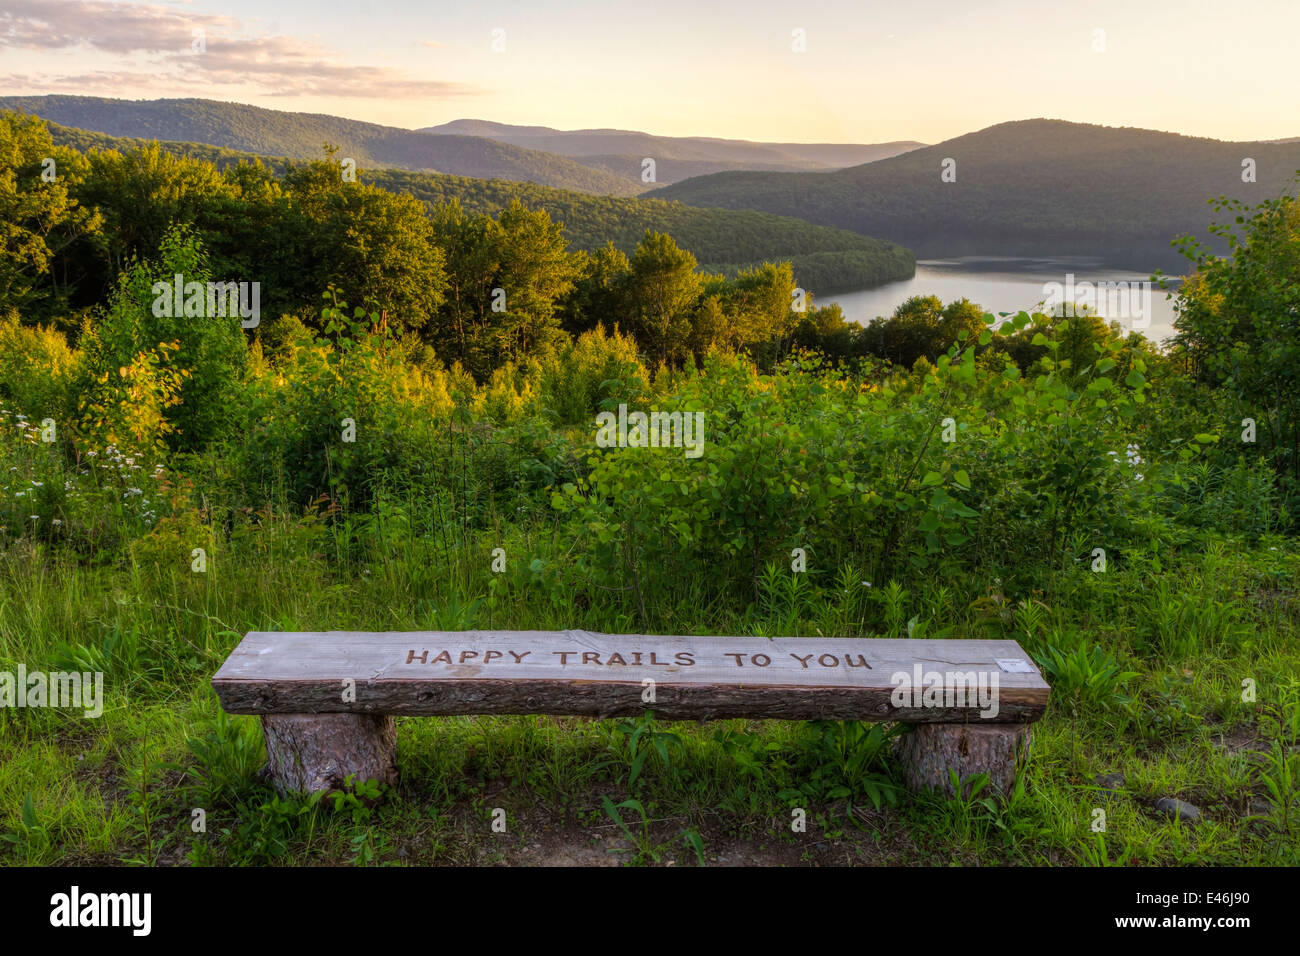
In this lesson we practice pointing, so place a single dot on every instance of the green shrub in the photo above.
(37, 372)
(183, 372)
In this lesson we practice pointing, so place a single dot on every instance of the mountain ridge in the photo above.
(279, 133)
(609, 164)
(677, 155)
(1021, 186)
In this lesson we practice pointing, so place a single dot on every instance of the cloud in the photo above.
(111, 27)
(228, 54)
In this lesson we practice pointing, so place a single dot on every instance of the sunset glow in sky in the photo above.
(871, 72)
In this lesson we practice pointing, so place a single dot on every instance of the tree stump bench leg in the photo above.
(306, 753)
(931, 750)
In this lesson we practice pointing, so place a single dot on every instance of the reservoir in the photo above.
(1005, 284)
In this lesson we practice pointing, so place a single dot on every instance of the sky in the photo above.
(821, 71)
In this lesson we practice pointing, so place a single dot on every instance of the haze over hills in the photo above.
(676, 157)
(1022, 188)
(302, 136)
(604, 162)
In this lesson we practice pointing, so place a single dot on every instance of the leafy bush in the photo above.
(299, 410)
(149, 377)
(576, 383)
(37, 372)
(1086, 678)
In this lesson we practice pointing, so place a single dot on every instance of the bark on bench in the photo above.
(328, 699)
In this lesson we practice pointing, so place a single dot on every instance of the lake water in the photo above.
(1002, 284)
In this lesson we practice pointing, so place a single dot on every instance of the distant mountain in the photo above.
(724, 241)
(1029, 187)
(676, 157)
(265, 132)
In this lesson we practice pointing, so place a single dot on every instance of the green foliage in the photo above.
(507, 276)
(1237, 319)
(715, 237)
(356, 371)
(226, 760)
(376, 248)
(30, 837)
(39, 216)
(596, 370)
(150, 373)
(847, 762)
(643, 739)
(1086, 678)
(233, 214)
(1279, 773)
(922, 326)
(37, 372)
(664, 287)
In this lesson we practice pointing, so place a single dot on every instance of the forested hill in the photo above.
(1038, 184)
(824, 259)
(252, 129)
(676, 157)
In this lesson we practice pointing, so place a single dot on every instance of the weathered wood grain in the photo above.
(930, 751)
(310, 752)
(601, 675)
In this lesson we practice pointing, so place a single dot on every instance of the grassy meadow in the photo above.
(1149, 659)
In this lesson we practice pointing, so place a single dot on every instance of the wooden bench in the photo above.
(328, 699)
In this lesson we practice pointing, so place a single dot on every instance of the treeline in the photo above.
(923, 328)
(83, 140)
(480, 287)
(713, 236)
(824, 259)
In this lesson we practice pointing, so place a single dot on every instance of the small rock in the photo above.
(1110, 781)
(1177, 808)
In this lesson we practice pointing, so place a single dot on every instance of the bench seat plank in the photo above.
(582, 673)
